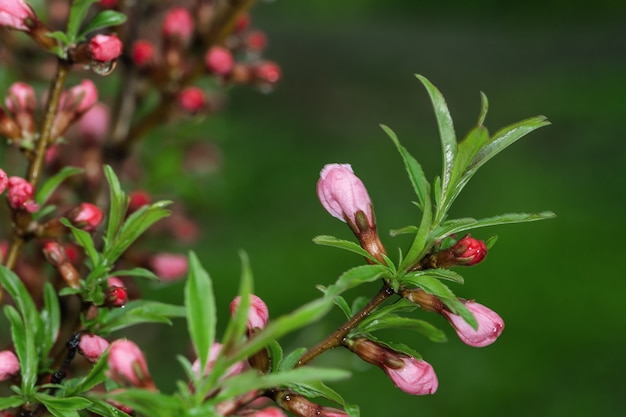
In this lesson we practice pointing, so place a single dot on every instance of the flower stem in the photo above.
(338, 335)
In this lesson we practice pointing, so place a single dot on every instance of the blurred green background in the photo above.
(347, 67)
(559, 284)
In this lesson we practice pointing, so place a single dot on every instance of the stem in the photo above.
(338, 335)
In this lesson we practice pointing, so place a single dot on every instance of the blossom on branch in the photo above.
(105, 48)
(21, 195)
(257, 313)
(490, 325)
(127, 364)
(92, 346)
(14, 13)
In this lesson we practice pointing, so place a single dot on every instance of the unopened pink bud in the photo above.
(142, 53)
(21, 194)
(93, 126)
(256, 41)
(20, 98)
(108, 4)
(343, 194)
(267, 72)
(127, 364)
(258, 313)
(169, 266)
(178, 23)
(79, 98)
(92, 346)
(13, 13)
(214, 352)
(192, 99)
(9, 365)
(85, 216)
(243, 21)
(55, 253)
(116, 294)
(4, 181)
(268, 412)
(469, 251)
(105, 48)
(219, 60)
(138, 199)
(490, 325)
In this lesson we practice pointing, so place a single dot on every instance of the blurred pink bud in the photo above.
(92, 346)
(214, 352)
(4, 247)
(191, 99)
(469, 251)
(105, 48)
(20, 98)
(257, 313)
(85, 216)
(55, 253)
(14, 12)
(142, 53)
(268, 412)
(138, 199)
(243, 21)
(116, 294)
(79, 98)
(178, 23)
(256, 41)
(4, 180)
(343, 194)
(267, 72)
(219, 60)
(490, 325)
(93, 126)
(108, 4)
(21, 194)
(9, 365)
(168, 266)
(127, 365)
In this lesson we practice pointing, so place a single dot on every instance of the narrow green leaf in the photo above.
(343, 244)
(137, 272)
(357, 276)
(148, 403)
(66, 404)
(103, 408)
(484, 107)
(95, 376)
(50, 320)
(105, 18)
(78, 11)
(446, 130)
(24, 344)
(118, 205)
(200, 305)
(343, 305)
(317, 389)
(414, 169)
(399, 322)
(352, 410)
(48, 187)
(84, 240)
(291, 360)
(237, 326)
(439, 273)
(10, 402)
(419, 246)
(276, 355)
(462, 225)
(138, 312)
(403, 231)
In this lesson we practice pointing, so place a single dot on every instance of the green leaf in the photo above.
(446, 131)
(356, 276)
(352, 410)
(462, 225)
(105, 18)
(276, 355)
(439, 273)
(403, 231)
(200, 305)
(399, 322)
(291, 360)
(148, 403)
(84, 240)
(317, 389)
(78, 11)
(237, 326)
(343, 244)
(47, 188)
(95, 376)
(24, 344)
(50, 320)
(343, 305)
(414, 169)
(10, 402)
(419, 246)
(66, 404)
(118, 204)
(137, 272)
(484, 107)
(138, 312)
(103, 408)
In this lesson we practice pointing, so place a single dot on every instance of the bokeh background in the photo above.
(347, 67)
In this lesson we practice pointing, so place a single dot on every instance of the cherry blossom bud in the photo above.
(413, 376)
(9, 365)
(92, 347)
(13, 14)
(192, 99)
(142, 53)
(93, 126)
(85, 216)
(20, 98)
(214, 352)
(105, 48)
(219, 60)
(302, 407)
(8, 127)
(469, 251)
(169, 266)
(4, 181)
(255, 41)
(257, 313)
(138, 199)
(54, 253)
(79, 98)
(243, 22)
(267, 73)
(178, 23)
(116, 294)
(490, 325)
(268, 412)
(21, 194)
(127, 364)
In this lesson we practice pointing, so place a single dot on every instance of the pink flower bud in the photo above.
(85, 216)
(413, 376)
(54, 253)
(219, 60)
(93, 126)
(214, 352)
(142, 53)
(9, 365)
(469, 251)
(169, 266)
(256, 41)
(14, 12)
(108, 4)
(490, 325)
(191, 99)
(92, 346)
(243, 21)
(127, 364)
(268, 412)
(343, 194)
(105, 48)
(20, 98)
(116, 294)
(79, 98)
(257, 314)
(178, 23)
(138, 199)
(4, 181)
(21, 194)
(267, 73)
